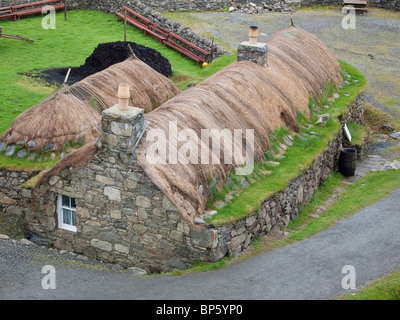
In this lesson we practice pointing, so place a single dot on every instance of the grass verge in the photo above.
(386, 288)
(353, 198)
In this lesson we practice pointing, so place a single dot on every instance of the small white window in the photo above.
(66, 211)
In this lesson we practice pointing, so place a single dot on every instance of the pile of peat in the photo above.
(105, 55)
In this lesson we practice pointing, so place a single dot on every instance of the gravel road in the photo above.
(310, 269)
(372, 47)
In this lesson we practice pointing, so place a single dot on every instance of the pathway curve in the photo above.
(309, 269)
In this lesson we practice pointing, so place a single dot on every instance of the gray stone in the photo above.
(137, 271)
(110, 234)
(11, 150)
(48, 147)
(22, 154)
(121, 248)
(323, 119)
(142, 201)
(198, 220)
(26, 242)
(31, 144)
(244, 183)
(388, 128)
(205, 238)
(102, 245)
(112, 194)
(395, 135)
(3, 146)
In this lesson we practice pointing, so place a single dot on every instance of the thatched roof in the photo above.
(74, 112)
(243, 96)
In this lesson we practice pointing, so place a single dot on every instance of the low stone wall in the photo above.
(11, 190)
(276, 211)
(193, 5)
(13, 200)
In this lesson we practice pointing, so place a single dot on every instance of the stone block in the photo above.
(112, 194)
(102, 245)
(121, 129)
(176, 235)
(142, 201)
(203, 237)
(237, 241)
(121, 248)
(105, 180)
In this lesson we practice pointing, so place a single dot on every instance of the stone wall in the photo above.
(13, 199)
(276, 211)
(195, 5)
(11, 190)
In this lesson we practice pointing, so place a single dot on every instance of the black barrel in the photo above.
(348, 162)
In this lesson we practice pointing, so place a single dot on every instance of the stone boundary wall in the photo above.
(13, 200)
(11, 191)
(193, 5)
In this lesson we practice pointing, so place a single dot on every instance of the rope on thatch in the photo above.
(73, 112)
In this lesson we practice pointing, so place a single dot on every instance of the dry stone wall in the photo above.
(196, 5)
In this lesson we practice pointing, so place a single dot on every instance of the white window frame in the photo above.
(60, 214)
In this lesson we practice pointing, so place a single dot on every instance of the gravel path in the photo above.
(310, 269)
(372, 47)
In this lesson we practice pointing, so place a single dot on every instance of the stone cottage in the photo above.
(109, 202)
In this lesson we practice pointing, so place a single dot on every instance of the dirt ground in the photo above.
(373, 47)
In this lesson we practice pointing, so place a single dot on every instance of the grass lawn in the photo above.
(68, 46)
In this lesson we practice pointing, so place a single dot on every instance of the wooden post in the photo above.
(65, 10)
(125, 25)
(211, 56)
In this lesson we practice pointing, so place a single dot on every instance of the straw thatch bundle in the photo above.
(149, 89)
(74, 112)
(60, 118)
(241, 96)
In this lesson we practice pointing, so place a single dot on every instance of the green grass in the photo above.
(69, 45)
(24, 164)
(297, 158)
(355, 197)
(386, 288)
(358, 133)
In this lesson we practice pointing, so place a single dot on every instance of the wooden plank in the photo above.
(154, 34)
(125, 25)
(38, 3)
(361, 2)
(188, 43)
(184, 51)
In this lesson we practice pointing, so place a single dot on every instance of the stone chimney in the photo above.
(122, 128)
(253, 50)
